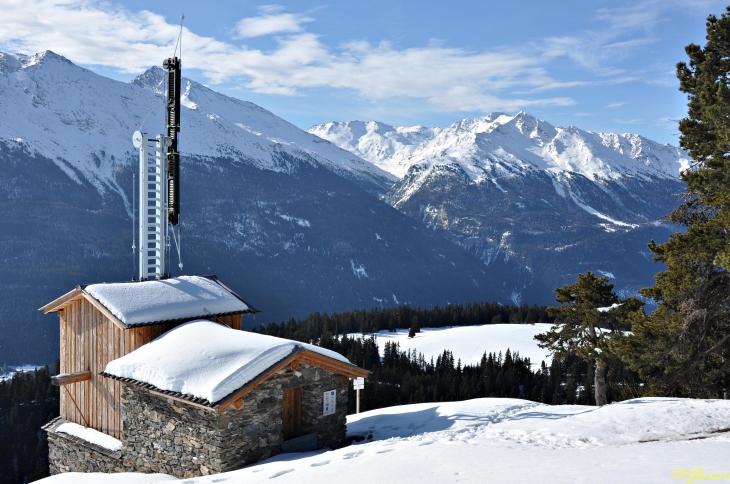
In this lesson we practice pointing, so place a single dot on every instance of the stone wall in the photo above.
(164, 435)
(67, 453)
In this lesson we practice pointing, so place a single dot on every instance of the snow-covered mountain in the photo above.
(79, 120)
(544, 202)
(386, 147)
(498, 146)
(289, 220)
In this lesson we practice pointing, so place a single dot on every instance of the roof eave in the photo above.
(192, 318)
(214, 278)
(299, 354)
(62, 301)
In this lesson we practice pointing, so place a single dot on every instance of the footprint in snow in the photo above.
(317, 464)
(352, 455)
(385, 451)
(281, 473)
(426, 443)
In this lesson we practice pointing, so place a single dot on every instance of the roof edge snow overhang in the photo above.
(299, 355)
(80, 292)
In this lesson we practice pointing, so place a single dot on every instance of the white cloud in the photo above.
(613, 105)
(621, 31)
(447, 79)
(92, 32)
(272, 22)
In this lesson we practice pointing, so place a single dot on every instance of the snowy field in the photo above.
(504, 440)
(7, 373)
(470, 342)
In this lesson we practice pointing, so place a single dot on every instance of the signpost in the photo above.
(358, 384)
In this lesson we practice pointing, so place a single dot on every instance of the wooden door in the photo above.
(291, 416)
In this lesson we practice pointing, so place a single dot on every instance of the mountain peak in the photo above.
(153, 79)
(10, 63)
(45, 58)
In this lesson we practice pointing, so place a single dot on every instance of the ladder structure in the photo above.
(152, 224)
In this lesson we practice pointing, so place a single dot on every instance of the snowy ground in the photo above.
(7, 373)
(505, 440)
(470, 342)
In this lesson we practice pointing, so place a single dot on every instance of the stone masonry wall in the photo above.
(164, 435)
(168, 436)
(67, 453)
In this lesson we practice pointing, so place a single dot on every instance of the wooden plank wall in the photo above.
(89, 340)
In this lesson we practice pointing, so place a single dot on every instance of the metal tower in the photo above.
(159, 184)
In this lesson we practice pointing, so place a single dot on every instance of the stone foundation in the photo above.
(67, 453)
(164, 435)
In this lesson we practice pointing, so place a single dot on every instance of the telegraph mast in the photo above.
(159, 184)
(172, 118)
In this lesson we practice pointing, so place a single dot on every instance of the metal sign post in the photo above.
(358, 384)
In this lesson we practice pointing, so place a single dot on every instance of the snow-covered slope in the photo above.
(469, 343)
(504, 440)
(84, 122)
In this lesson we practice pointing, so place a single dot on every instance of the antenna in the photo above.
(159, 181)
(134, 220)
(173, 128)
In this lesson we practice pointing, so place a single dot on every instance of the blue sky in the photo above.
(599, 65)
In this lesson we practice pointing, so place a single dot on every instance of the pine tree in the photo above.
(590, 316)
(414, 327)
(683, 347)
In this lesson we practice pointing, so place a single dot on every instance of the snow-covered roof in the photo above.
(184, 297)
(207, 360)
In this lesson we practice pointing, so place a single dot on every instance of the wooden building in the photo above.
(92, 335)
(162, 370)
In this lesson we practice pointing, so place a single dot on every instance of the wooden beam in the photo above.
(332, 365)
(238, 404)
(68, 378)
(253, 384)
(178, 399)
(295, 365)
(331, 368)
(56, 304)
(345, 380)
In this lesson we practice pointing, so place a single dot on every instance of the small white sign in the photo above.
(358, 383)
(330, 399)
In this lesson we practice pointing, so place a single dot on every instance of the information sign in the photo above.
(330, 399)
